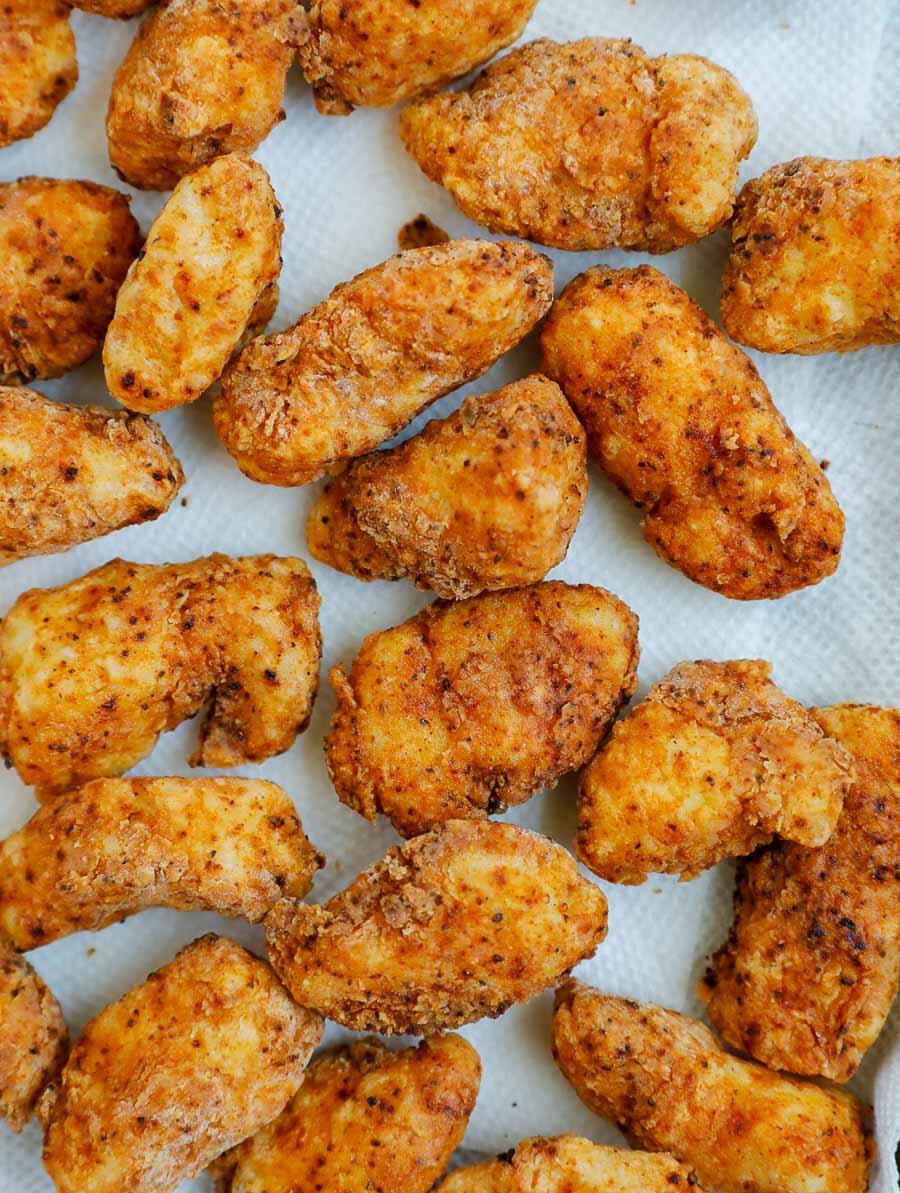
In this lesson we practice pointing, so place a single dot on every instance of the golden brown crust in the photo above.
(711, 764)
(664, 1080)
(121, 10)
(33, 1037)
(208, 272)
(420, 233)
(365, 1120)
(200, 1056)
(810, 970)
(153, 645)
(815, 257)
(451, 927)
(201, 79)
(488, 498)
(374, 53)
(38, 67)
(471, 707)
(65, 248)
(381, 348)
(680, 419)
(589, 145)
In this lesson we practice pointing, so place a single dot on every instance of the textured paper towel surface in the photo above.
(823, 76)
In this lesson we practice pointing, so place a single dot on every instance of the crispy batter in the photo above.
(202, 78)
(420, 233)
(682, 422)
(33, 1037)
(74, 473)
(365, 1120)
(568, 1164)
(65, 248)
(807, 977)
(92, 672)
(488, 498)
(38, 67)
(374, 53)
(200, 1056)
(120, 9)
(469, 708)
(116, 846)
(665, 1081)
(381, 348)
(212, 254)
(454, 926)
(815, 257)
(713, 763)
(589, 145)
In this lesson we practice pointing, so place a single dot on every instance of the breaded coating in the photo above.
(38, 67)
(488, 498)
(202, 78)
(212, 255)
(682, 422)
(65, 248)
(365, 1120)
(663, 1079)
(714, 762)
(815, 257)
(120, 9)
(74, 473)
(367, 360)
(469, 708)
(33, 1037)
(200, 1056)
(568, 1164)
(92, 673)
(116, 846)
(807, 977)
(589, 145)
(420, 233)
(451, 927)
(374, 53)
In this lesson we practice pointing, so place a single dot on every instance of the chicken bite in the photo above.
(682, 422)
(33, 1037)
(589, 145)
(367, 360)
(92, 673)
(186, 1065)
(667, 1084)
(711, 764)
(807, 977)
(365, 1120)
(815, 257)
(488, 498)
(121, 10)
(38, 67)
(208, 272)
(472, 707)
(451, 927)
(65, 248)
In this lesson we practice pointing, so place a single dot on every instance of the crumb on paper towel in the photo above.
(420, 233)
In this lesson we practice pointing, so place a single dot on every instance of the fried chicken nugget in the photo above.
(488, 498)
(374, 53)
(589, 145)
(711, 764)
(451, 927)
(33, 1037)
(815, 257)
(65, 248)
(202, 78)
(682, 422)
(807, 977)
(74, 473)
(92, 673)
(208, 272)
(122, 10)
(665, 1081)
(365, 1120)
(38, 67)
(199, 1057)
(367, 360)
(472, 707)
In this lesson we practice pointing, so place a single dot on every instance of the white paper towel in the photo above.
(824, 78)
